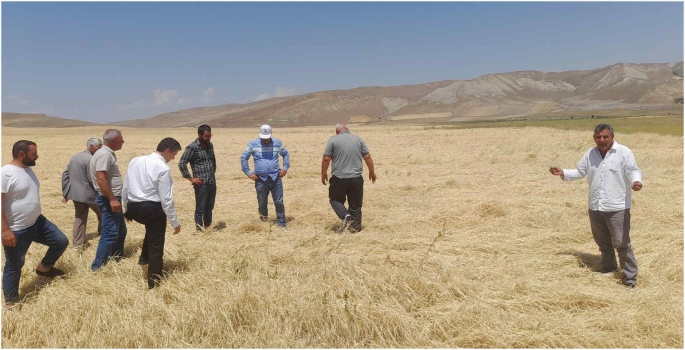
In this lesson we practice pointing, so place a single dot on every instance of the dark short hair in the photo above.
(602, 127)
(202, 128)
(168, 143)
(21, 146)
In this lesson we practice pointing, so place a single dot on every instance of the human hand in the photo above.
(253, 176)
(372, 177)
(637, 185)
(196, 181)
(115, 204)
(282, 173)
(177, 229)
(323, 179)
(9, 239)
(64, 200)
(556, 171)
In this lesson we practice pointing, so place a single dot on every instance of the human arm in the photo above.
(633, 173)
(166, 196)
(9, 239)
(369, 164)
(244, 165)
(66, 185)
(573, 174)
(286, 162)
(101, 177)
(188, 155)
(325, 162)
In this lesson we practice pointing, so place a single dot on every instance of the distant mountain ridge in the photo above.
(624, 87)
(23, 120)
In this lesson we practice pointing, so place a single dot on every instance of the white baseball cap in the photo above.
(265, 131)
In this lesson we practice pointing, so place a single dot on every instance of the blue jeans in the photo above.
(43, 232)
(205, 196)
(112, 235)
(276, 189)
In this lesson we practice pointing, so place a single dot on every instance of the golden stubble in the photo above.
(467, 242)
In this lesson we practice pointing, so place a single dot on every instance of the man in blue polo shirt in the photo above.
(267, 172)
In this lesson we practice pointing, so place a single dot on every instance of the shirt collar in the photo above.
(107, 149)
(159, 156)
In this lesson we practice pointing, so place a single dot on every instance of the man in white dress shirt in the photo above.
(612, 172)
(148, 198)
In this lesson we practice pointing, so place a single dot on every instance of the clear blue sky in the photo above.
(106, 62)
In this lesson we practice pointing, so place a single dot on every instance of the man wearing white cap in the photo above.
(267, 171)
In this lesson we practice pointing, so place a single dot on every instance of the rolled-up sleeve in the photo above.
(166, 196)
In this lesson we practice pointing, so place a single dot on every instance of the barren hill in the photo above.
(623, 87)
(22, 120)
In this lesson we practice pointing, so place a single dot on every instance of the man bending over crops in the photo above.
(23, 223)
(148, 198)
(612, 172)
(346, 151)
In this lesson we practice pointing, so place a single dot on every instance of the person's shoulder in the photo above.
(9, 170)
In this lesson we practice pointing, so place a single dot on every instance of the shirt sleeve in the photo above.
(329, 148)
(65, 181)
(580, 170)
(124, 191)
(166, 196)
(102, 163)
(8, 181)
(183, 163)
(632, 171)
(244, 165)
(365, 150)
(286, 158)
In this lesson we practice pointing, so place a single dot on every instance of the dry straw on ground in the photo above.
(468, 242)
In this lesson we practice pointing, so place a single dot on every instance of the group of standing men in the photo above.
(92, 180)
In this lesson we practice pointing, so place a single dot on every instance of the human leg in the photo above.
(80, 222)
(276, 188)
(108, 237)
(602, 236)
(209, 205)
(14, 261)
(337, 197)
(262, 199)
(619, 225)
(200, 202)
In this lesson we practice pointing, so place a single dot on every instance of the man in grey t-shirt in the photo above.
(346, 183)
(104, 172)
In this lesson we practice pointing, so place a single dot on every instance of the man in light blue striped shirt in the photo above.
(267, 171)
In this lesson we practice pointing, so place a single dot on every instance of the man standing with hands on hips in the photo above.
(612, 172)
(267, 172)
(200, 155)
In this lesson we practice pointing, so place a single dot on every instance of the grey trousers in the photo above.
(611, 230)
(80, 221)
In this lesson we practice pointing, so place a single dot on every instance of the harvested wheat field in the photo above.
(468, 242)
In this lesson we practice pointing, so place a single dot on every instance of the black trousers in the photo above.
(351, 190)
(152, 216)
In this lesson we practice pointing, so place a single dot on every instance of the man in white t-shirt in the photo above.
(612, 173)
(22, 222)
(148, 198)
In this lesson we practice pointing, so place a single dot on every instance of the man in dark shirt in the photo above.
(200, 155)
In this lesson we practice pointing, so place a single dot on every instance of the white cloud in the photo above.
(208, 95)
(280, 92)
(24, 102)
(185, 101)
(164, 97)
